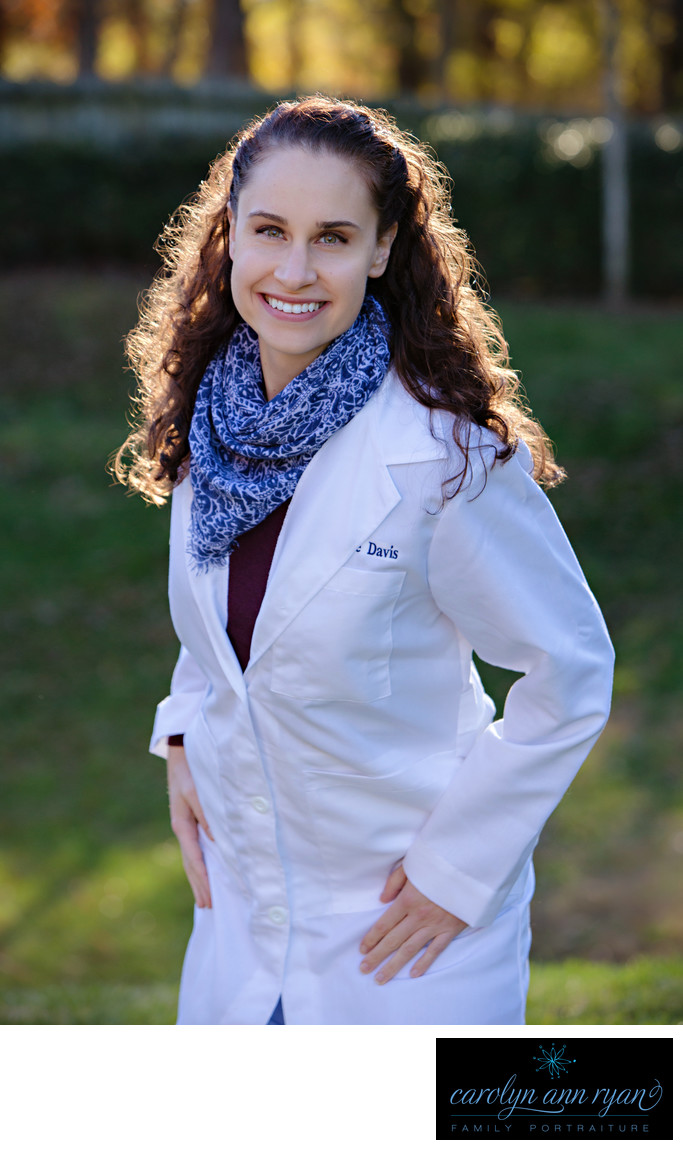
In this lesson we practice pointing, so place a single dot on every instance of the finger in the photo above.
(185, 829)
(201, 893)
(195, 807)
(197, 875)
(387, 945)
(388, 921)
(405, 953)
(200, 890)
(190, 797)
(181, 789)
(435, 948)
(394, 884)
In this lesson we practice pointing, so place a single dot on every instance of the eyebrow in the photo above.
(323, 225)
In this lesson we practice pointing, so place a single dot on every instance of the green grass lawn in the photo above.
(573, 992)
(94, 908)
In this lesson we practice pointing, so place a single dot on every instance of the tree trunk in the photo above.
(227, 58)
(87, 20)
(295, 21)
(4, 33)
(527, 18)
(447, 42)
(671, 60)
(485, 48)
(174, 31)
(615, 191)
(412, 70)
(135, 13)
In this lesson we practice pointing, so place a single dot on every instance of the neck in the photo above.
(278, 371)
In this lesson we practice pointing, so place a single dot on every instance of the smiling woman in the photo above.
(298, 280)
(356, 509)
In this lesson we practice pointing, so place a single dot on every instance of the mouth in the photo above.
(293, 307)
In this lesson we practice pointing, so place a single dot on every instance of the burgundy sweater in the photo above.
(249, 568)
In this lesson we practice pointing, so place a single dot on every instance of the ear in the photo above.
(382, 252)
(232, 220)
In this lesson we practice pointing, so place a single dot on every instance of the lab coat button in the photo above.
(277, 914)
(260, 804)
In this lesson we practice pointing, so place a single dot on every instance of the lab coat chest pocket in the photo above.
(339, 646)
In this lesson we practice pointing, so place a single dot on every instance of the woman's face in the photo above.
(303, 243)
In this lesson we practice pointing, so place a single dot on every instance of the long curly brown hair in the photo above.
(447, 345)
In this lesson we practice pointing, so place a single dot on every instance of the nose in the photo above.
(295, 269)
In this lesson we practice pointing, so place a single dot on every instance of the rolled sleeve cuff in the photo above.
(458, 893)
(173, 716)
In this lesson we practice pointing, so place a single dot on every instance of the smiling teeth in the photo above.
(295, 308)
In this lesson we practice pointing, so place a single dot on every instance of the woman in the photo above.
(355, 497)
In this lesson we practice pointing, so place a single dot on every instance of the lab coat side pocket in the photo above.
(365, 824)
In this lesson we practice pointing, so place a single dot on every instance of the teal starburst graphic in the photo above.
(553, 1061)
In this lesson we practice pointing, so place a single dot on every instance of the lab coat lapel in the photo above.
(342, 496)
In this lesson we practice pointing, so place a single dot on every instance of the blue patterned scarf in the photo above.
(248, 453)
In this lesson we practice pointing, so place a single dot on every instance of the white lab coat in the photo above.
(360, 735)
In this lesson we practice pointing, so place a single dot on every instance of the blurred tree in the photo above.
(137, 16)
(295, 10)
(37, 39)
(615, 224)
(227, 55)
(4, 32)
(522, 53)
(517, 45)
(412, 69)
(174, 30)
(668, 17)
(484, 45)
(447, 12)
(86, 22)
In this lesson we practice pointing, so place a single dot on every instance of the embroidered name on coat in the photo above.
(381, 552)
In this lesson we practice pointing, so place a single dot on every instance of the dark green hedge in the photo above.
(536, 224)
(75, 204)
(534, 220)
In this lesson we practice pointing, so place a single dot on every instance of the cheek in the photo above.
(250, 265)
(355, 287)
(240, 291)
(243, 271)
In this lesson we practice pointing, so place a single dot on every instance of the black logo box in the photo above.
(527, 1088)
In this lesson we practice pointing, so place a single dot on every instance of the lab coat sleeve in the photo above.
(502, 569)
(175, 713)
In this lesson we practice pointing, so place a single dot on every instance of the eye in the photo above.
(272, 231)
(331, 239)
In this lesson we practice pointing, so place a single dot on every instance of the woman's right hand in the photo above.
(186, 816)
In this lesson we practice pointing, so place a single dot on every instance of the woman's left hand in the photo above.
(412, 922)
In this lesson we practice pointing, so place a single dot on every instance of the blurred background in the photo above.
(561, 122)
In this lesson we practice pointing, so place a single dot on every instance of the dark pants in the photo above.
(277, 1018)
